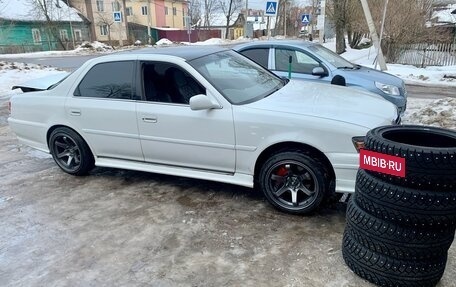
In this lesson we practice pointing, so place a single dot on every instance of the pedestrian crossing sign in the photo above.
(271, 8)
(117, 16)
(305, 19)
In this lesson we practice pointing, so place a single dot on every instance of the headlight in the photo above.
(388, 89)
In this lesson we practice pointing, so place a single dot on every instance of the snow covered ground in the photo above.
(440, 112)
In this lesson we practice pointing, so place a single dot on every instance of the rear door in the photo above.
(103, 110)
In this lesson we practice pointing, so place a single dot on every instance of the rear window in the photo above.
(258, 55)
(112, 80)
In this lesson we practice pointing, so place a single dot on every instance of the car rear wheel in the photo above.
(70, 151)
(293, 182)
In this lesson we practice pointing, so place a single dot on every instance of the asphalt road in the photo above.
(70, 63)
(430, 92)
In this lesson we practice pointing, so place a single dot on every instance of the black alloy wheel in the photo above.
(70, 151)
(293, 182)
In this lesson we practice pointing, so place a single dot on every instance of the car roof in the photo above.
(185, 52)
(293, 43)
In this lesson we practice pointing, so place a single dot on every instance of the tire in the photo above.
(395, 249)
(70, 151)
(294, 182)
(429, 152)
(405, 206)
(386, 271)
(393, 240)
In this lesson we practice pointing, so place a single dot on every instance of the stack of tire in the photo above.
(398, 229)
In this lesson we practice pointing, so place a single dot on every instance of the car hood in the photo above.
(331, 102)
(368, 74)
(40, 84)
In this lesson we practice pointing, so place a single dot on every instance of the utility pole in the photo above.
(373, 32)
(246, 15)
(381, 29)
(285, 18)
(321, 21)
(149, 23)
(124, 13)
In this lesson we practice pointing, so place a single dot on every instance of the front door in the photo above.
(173, 134)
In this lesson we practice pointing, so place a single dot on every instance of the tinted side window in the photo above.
(259, 55)
(300, 62)
(108, 80)
(168, 83)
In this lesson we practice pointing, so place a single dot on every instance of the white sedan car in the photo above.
(207, 113)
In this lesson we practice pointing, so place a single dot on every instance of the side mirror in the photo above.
(202, 102)
(318, 71)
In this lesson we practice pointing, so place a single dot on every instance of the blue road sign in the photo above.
(117, 16)
(305, 19)
(271, 8)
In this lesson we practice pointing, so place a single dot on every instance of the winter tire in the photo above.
(386, 271)
(429, 152)
(294, 182)
(70, 151)
(403, 205)
(393, 240)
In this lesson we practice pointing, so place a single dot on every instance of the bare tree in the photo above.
(106, 19)
(406, 23)
(194, 11)
(229, 8)
(336, 11)
(210, 7)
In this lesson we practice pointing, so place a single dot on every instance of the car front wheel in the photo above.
(293, 182)
(70, 151)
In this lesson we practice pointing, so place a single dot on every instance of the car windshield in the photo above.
(236, 77)
(331, 57)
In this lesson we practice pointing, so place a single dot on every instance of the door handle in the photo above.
(149, 119)
(75, 112)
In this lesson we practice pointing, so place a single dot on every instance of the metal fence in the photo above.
(423, 55)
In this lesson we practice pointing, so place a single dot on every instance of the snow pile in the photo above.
(431, 75)
(439, 113)
(213, 41)
(93, 46)
(12, 74)
(163, 41)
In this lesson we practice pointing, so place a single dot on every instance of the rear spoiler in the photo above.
(41, 84)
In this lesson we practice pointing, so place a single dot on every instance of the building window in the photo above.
(63, 35)
(166, 10)
(104, 30)
(115, 6)
(100, 6)
(174, 11)
(36, 36)
(129, 11)
(144, 10)
(77, 35)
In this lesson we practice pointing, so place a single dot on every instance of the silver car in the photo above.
(312, 61)
(207, 113)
